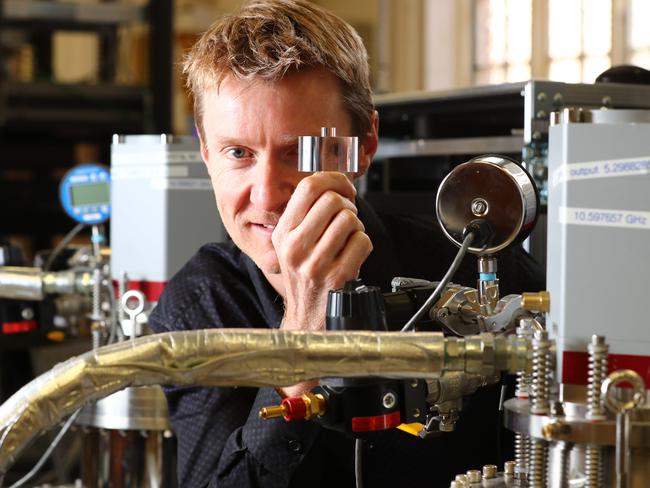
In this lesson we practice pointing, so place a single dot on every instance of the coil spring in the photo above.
(121, 290)
(522, 385)
(593, 467)
(524, 331)
(598, 350)
(541, 368)
(522, 447)
(538, 464)
(97, 292)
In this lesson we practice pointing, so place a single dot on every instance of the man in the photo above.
(261, 77)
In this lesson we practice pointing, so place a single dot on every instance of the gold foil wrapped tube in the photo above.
(215, 357)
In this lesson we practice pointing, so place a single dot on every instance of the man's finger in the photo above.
(308, 191)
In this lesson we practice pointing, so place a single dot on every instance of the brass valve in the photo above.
(538, 302)
(304, 407)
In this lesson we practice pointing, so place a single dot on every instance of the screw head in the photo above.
(479, 207)
(27, 313)
(389, 400)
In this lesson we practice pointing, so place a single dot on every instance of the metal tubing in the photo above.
(21, 283)
(240, 357)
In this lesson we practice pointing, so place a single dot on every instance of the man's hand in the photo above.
(320, 243)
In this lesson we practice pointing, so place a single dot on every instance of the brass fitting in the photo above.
(555, 430)
(304, 407)
(538, 302)
(272, 412)
(316, 405)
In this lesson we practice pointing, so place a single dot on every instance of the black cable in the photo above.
(358, 454)
(62, 245)
(443, 283)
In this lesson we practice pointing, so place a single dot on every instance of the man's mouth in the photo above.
(264, 226)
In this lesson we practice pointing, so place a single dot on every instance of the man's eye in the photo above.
(238, 152)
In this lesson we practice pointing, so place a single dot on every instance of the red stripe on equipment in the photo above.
(151, 289)
(575, 366)
(378, 422)
(19, 327)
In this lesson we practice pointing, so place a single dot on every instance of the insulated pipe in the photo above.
(22, 283)
(243, 357)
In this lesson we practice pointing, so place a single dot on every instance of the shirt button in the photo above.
(294, 445)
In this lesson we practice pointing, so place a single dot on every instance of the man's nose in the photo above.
(273, 184)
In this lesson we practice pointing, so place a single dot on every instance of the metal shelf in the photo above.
(442, 147)
(52, 12)
(86, 109)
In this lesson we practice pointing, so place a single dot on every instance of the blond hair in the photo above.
(267, 39)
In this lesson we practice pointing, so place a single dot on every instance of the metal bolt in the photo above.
(509, 468)
(606, 100)
(479, 207)
(489, 471)
(541, 96)
(541, 114)
(414, 383)
(27, 313)
(558, 98)
(537, 135)
(416, 412)
(389, 400)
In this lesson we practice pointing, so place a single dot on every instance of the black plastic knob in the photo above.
(356, 307)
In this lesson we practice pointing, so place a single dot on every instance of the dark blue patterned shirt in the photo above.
(221, 440)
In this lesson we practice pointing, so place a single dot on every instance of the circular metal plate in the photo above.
(141, 408)
(494, 188)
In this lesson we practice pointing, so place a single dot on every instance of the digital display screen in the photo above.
(91, 194)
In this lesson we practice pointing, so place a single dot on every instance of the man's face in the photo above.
(250, 148)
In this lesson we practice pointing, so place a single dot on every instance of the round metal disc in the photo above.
(493, 188)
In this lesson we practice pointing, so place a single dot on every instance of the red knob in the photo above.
(295, 408)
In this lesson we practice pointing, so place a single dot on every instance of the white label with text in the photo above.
(605, 218)
(601, 169)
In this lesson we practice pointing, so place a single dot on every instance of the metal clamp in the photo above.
(130, 326)
(622, 410)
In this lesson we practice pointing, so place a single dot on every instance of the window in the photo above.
(579, 39)
(638, 33)
(502, 41)
(561, 40)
